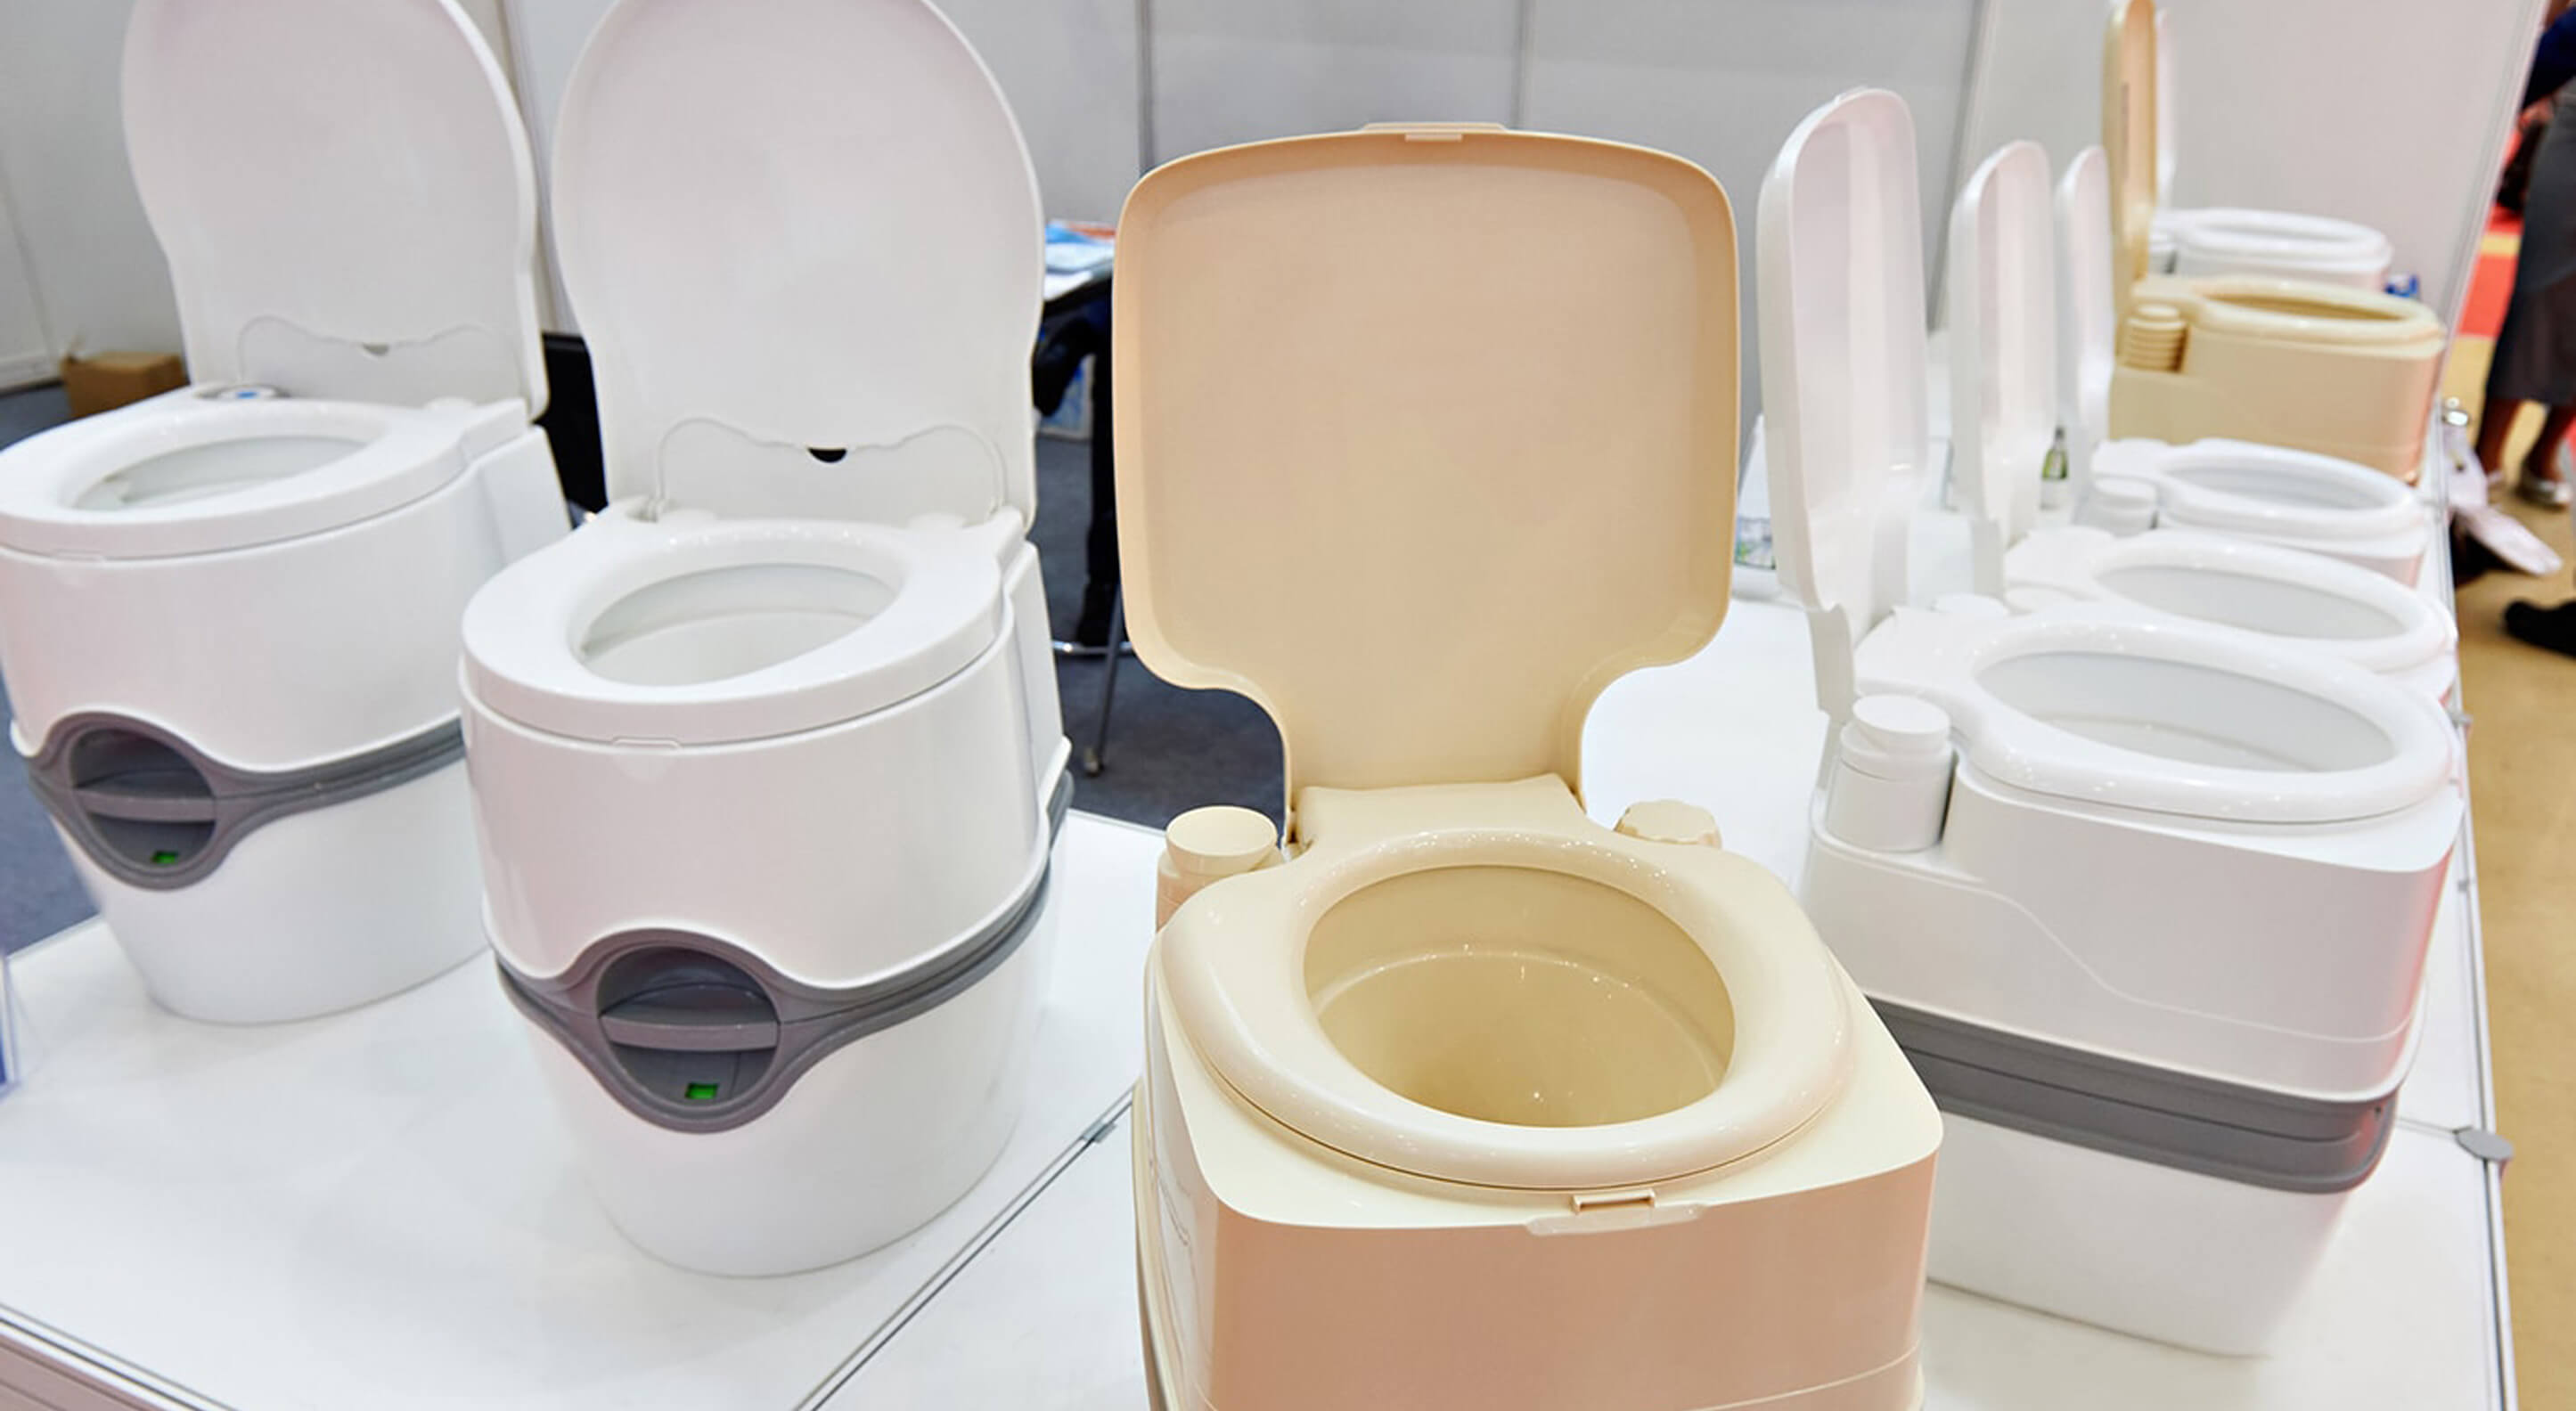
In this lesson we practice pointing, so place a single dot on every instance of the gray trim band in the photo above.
(697, 1034)
(2250, 1135)
(154, 811)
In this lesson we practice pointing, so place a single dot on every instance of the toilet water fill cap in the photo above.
(2129, 137)
(344, 193)
(1839, 257)
(2002, 302)
(1425, 435)
(2087, 317)
(804, 243)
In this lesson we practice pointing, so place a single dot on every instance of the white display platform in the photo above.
(375, 1210)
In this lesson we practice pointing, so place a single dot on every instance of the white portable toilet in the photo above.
(767, 757)
(2145, 899)
(228, 615)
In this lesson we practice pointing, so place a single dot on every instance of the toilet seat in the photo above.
(1255, 1021)
(183, 474)
(2294, 598)
(2200, 706)
(2228, 240)
(729, 630)
(2297, 499)
(2092, 704)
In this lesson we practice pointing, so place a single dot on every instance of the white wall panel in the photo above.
(98, 273)
(2388, 112)
(1723, 81)
(1228, 71)
(26, 354)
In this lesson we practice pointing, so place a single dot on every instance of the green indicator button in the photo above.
(700, 1092)
(164, 858)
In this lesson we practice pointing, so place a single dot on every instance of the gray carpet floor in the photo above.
(1168, 749)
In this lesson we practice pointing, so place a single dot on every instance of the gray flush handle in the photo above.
(148, 798)
(693, 1018)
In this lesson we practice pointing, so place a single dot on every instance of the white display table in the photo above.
(374, 1210)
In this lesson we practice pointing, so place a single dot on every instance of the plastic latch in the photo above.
(2485, 1145)
(1434, 131)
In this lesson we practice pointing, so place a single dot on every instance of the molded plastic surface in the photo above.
(2087, 312)
(1425, 436)
(2297, 499)
(2129, 109)
(2003, 346)
(703, 631)
(345, 196)
(1483, 985)
(183, 475)
(1843, 358)
(804, 242)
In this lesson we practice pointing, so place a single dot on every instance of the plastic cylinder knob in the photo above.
(1208, 845)
(1890, 786)
(2119, 505)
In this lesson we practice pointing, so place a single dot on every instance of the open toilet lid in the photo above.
(803, 239)
(2002, 301)
(1426, 434)
(2130, 104)
(344, 194)
(2086, 322)
(1840, 259)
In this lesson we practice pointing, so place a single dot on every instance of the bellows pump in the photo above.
(228, 615)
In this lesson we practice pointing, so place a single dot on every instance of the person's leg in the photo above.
(2538, 480)
(2495, 427)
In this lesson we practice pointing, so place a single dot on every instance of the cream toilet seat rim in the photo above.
(402, 455)
(2026, 752)
(1235, 977)
(2215, 306)
(521, 632)
(2423, 632)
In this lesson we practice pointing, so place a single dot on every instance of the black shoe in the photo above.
(2551, 627)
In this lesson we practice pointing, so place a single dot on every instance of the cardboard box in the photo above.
(106, 381)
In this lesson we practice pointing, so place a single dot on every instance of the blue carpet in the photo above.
(39, 894)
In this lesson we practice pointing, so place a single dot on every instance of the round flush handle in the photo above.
(1890, 787)
(1208, 845)
(1669, 821)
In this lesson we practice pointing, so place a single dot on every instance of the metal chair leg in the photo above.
(1096, 758)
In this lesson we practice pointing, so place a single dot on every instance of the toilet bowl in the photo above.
(2229, 240)
(228, 613)
(766, 759)
(2152, 889)
(2324, 367)
(2274, 495)
(1464, 1099)
(2012, 391)
(2296, 599)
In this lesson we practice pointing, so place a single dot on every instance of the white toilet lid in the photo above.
(804, 243)
(2087, 326)
(1426, 434)
(2002, 302)
(344, 193)
(1840, 259)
